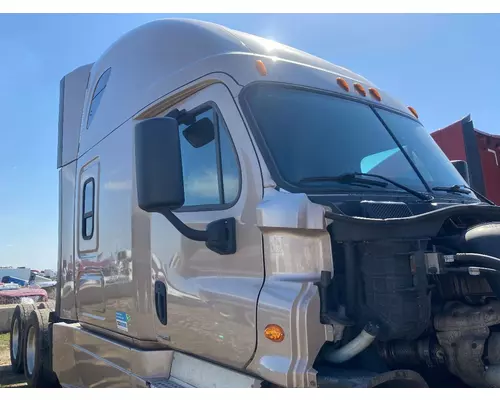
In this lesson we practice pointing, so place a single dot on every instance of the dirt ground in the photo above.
(4, 349)
(7, 378)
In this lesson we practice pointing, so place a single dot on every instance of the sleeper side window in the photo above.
(88, 210)
(210, 167)
(97, 96)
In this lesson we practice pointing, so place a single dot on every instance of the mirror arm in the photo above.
(220, 235)
(193, 234)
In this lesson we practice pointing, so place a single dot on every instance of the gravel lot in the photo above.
(7, 378)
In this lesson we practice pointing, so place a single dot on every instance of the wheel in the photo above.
(37, 354)
(17, 327)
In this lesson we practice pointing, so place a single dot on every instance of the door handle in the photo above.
(161, 301)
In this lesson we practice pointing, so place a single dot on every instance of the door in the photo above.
(89, 278)
(210, 298)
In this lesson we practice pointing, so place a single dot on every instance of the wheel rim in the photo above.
(31, 350)
(15, 339)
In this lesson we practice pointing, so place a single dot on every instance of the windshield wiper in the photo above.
(463, 189)
(356, 177)
(345, 178)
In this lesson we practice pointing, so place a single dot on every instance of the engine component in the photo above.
(355, 346)
(462, 331)
(434, 262)
(459, 316)
(329, 313)
(477, 259)
(473, 289)
(413, 354)
(476, 264)
(483, 239)
(389, 280)
(395, 288)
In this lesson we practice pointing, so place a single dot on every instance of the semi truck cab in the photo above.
(238, 213)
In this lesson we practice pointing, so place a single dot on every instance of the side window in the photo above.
(97, 96)
(88, 207)
(210, 167)
(229, 164)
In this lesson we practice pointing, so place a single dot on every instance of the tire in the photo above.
(43, 305)
(37, 351)
(17, 328)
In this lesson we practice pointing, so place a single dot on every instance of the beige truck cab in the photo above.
(238, 213)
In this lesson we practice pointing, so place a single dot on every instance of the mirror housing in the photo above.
(158, 165)
(200, 133)
(463, 168)
(160, 183)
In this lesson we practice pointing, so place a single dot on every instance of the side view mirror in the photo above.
(160, 183)
(463, 168)
(158, 164)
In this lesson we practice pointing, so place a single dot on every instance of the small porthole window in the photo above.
(88, 209)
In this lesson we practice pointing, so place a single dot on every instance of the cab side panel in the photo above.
(66, 284)
(111, 290)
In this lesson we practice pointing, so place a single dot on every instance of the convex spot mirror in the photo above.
(200, 133)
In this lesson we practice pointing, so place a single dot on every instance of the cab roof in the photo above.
(159, 57)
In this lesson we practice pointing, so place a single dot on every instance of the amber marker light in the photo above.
(413, 111)
(360, 89)
(261, 67)
(343, 84)
(274, 333)
(375, 94)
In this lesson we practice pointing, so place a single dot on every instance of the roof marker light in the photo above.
(360, 89)
(261, 67)
(413, 111)
(343, 84)
(375, 94)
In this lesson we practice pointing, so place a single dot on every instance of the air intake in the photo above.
(385, 209)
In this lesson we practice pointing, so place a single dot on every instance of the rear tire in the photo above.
(37, 354)
(17, 328)
(43, 305)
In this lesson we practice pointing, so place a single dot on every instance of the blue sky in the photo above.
(446, 66)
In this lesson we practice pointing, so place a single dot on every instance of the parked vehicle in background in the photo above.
(48, 273)
(462, 141)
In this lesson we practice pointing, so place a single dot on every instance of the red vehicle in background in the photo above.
(480, 150)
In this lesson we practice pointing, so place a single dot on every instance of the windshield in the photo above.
(308, 134)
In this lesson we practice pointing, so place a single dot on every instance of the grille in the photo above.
(385, 209)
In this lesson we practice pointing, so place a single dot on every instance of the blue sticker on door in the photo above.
(122, 320)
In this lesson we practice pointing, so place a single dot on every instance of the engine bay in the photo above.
(414, 293)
